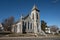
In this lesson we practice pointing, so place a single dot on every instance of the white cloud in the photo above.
(55, 1)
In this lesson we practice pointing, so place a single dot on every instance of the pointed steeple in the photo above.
(35, 8)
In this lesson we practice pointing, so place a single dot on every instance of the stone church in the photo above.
(29, 23)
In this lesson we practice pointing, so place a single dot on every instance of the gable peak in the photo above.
(35, 8)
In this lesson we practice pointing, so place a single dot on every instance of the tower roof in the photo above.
(35, 8)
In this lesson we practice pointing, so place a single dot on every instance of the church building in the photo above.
(29, 23)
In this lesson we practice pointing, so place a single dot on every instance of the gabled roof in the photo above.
(25, 17)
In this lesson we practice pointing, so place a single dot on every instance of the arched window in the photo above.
(31, 26)
(28, 25)
(25, 24)
(37, 27)
(37, 16)
(33, 16)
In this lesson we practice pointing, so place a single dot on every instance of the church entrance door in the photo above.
(24, 28)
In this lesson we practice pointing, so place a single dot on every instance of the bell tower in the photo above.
(35, 16)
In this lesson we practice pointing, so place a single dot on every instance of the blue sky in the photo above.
(49, 9)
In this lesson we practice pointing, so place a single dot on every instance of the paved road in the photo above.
(29, 38)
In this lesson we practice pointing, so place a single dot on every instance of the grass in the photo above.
(20, 35)
(7, 34)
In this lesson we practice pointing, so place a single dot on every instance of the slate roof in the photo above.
(25, 17)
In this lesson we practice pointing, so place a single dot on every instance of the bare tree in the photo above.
(54, 28)
(7, 23)
(10, 22)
